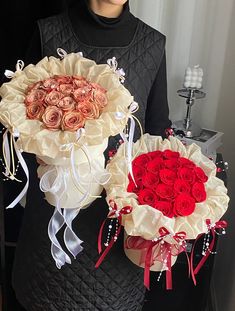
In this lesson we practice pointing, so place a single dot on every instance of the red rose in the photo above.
(186, 174)
(165, 207)
(134, 188)
(150, 180)
(141, 160)
(181, 186)
(138, 172)
(169, 154)
(155, 154)
(184, 205)
(201, 176)
(167, 176)
(164, 191)
(199, 192)
(184, 162)
(172, 164)
(147, 196)
(155, 165)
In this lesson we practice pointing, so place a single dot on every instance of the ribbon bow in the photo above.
(113, 212)
(157, 249)
(113, 64)
(19, 67)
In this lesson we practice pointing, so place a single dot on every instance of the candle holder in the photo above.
(187, 126)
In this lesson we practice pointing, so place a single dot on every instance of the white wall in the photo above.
(197, 33)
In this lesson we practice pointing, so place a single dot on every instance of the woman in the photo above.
(100, 29)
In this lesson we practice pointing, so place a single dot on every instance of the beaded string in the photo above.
(206, 241)
(4, 166)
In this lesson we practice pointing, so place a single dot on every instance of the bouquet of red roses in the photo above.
(173, 196)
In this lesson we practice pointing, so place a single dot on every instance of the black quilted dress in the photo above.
(117, 284)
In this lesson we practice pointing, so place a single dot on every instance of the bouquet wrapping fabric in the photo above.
(63, 111)
(175, 196)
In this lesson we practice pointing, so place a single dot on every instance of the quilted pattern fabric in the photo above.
(117, 284)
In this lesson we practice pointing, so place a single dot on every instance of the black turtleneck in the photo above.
(100, 31)
(92, 29)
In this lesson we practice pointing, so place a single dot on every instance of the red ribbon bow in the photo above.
(158, 249)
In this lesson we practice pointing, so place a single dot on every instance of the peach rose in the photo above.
(89, 110)
(82, 94)
(52, 117)
(72, 121)
(79, 82)
(34, 111)
(67, 103)
(63, 79)
(98, 87)
(34, 86)
(35, 95)
(100, 98)
(50, 84)
(53, 98)
(66, 89)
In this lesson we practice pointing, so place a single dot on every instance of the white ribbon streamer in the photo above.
(129, 142)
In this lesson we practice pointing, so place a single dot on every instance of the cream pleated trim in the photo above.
(146, 221)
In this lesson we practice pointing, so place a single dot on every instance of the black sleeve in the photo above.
(157, 113)
(33, 53)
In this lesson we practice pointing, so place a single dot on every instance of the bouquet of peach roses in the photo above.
(63, 111)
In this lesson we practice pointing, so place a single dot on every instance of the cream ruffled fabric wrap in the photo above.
(47, 144)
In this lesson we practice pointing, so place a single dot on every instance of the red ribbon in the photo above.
(114, 212)
(151, 252)
(218, 225)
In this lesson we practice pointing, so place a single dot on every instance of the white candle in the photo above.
(193, 77)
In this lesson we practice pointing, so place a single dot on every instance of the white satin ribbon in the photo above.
(19, 67)
(58, 188)
(129, 141)
(112, 62)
